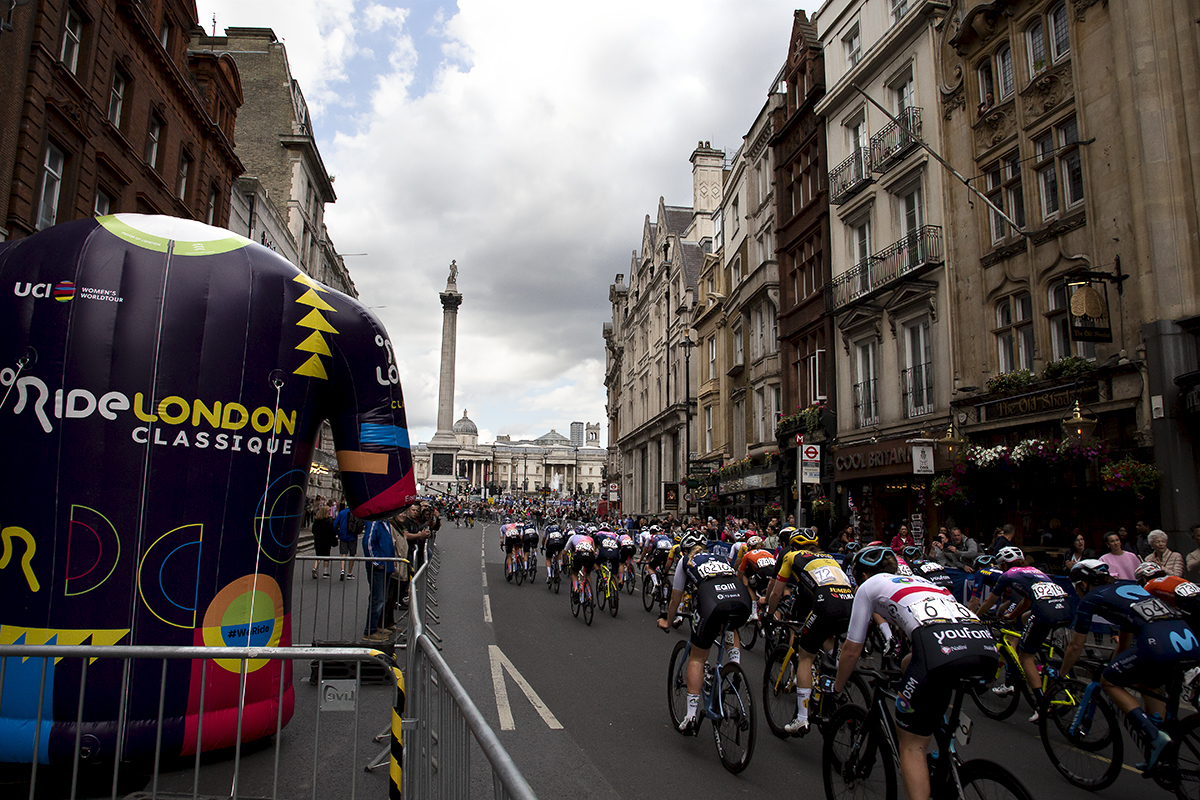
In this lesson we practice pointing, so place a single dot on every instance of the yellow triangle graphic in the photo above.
(315, 344)
(311, 298)
(313, 368)
(315, 321)
(309, 282)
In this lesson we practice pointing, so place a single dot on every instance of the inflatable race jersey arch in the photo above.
(162, 386)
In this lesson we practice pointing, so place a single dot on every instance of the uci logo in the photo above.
(63, 291)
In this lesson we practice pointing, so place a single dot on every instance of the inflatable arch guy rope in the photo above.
(162, 384)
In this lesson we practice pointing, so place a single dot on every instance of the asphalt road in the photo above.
(606, 686)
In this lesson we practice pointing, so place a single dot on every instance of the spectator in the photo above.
(962, 551)
(324, 537)
(938, 546)
(417, 531)
(1169, 560)
(348, 528)
(1121, 564)
(1193, 558)
(838, 545)
(902, 539)
(1079, 551)
(1142, 545)
(1002, 538)
(377, 544)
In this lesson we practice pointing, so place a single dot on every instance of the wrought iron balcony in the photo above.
(911, 255)
(866, 404)
(850, 177)
(894, 142)
(918, 390)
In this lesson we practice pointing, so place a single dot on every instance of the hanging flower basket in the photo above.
(1128, 473)
(821, 505)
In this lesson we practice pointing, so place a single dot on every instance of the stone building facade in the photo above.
(108, 110)
(890, 276)
(1085, 142)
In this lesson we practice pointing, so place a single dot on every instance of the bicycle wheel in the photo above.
(1178, 767)
(986, 780)
(677, 684)
(575, 602)
(630, 581)
(779, 690)
(601, 590)
(532, 570)
(589, 604)
(1000, 696)
(615, 600)
(557, 581)
(647, 594)
(1091, 757)
(748, 633)
(519, 572)
(734, 731)
(855, 762)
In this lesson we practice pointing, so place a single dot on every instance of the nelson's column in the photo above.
(443, 447)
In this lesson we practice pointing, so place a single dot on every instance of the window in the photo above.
(866, 409)
(899, 9)
(1072, 166)
(736, 271)
(153, 135)
(1060, 326)
(904, 93)
(164, 34)
(772, 329)
(210, 214)
(1004, 189)
(712, 358)
(181, 183)
(72, 41)
(995, 76)
(760, 415)
(1059, 169)
(860, 255)
(103, 206)
(739, 355)
(1035, 40)
(918, 375)
(1004, 71)
(987, 85)
(814, 376)
(737, 215)
(708, 429)
(116, 98)
(1060, 39)
(853, 44)
(52, 176)
(913, 220)
(1014, 332)
(759, 333)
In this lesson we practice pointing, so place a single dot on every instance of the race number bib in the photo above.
(939, 608)
(1153, 610)
(1047, 590)
(825, 572)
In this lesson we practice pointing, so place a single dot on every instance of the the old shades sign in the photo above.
(893, 457)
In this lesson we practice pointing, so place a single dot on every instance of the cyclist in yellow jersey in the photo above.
(822, 606)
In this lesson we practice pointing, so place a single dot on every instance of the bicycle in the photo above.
(1080, 732)
(555, 579)
(607, 590)
(779, 686)
(531, 566)
(729, 704)
(860, 754)
(1001, 695)
(515, 571)
(655, 590)
(582, 599)
(629, 580)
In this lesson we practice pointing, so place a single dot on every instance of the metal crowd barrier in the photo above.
(442, 718)
(320, 753)
(330, 611)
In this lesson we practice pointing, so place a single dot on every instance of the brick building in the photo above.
(111, 112)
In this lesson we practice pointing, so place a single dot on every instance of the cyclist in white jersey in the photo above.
(948, 642)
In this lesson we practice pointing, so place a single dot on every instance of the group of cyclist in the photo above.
(910, 601)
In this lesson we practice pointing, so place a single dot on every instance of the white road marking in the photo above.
(487, 609)
(500, 660)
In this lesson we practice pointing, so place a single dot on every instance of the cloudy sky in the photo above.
(526, 139)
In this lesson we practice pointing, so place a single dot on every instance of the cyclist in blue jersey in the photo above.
(721, 550)
(628, 548)
(1154, 643)
(721, 601)
(1035, 592)
(552, 543)
(608, 550)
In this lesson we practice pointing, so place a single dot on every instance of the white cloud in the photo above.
(543, 135)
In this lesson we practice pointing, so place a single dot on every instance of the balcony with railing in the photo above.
(912, 255)
(866, 404)
(895, 141)
(850, 177)
(918, 390)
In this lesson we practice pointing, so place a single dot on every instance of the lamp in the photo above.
(1077, 427)
(948, 445)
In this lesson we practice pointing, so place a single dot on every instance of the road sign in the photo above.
(810, 452)
(810, 463)
(799, 439)
(614, 487)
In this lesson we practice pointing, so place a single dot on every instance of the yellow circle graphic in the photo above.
(247, 613)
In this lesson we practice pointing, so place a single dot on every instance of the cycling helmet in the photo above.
(983, 561)
(911, 553)
(786, 533)
(850, 547)
(754, 542)
(738, 536)
(1147, 571)
(872, 559)
(1090, 571)
(1010, 555)
(691, 539)
(803, 538)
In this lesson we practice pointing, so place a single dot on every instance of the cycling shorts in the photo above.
(583, 561)
(554, 548)
(611, 556)
(627, 551)
(826, 615)
(1161, 649)
(758, 581)
(941, 653)
(531, 542)
(658, 558)
(719, 600)
(1039, 626)
(512, 544)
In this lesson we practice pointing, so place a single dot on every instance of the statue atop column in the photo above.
(453, 279)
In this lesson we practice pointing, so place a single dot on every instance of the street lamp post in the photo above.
(687, 344)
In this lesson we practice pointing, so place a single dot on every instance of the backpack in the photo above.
(355, 526)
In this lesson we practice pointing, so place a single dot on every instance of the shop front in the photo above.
(878, 491)
(752, 496)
